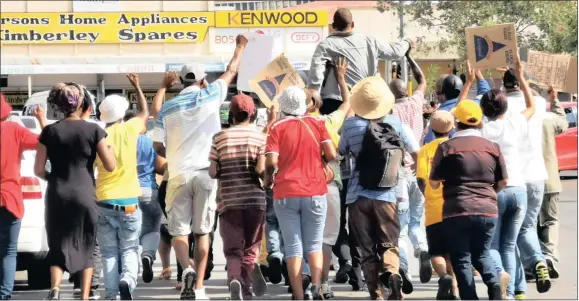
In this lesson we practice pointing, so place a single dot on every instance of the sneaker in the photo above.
(125, 290)
(553, 271)
(275, 266)
(264, 272)
(327, 292)
(495, 292)
(542, 279)
(444, 287)
(394, 287)
(200, 294)
(504, 279)
(147, 264)
(315, 293)
(425, 267)
(76, 293)
(54, 294)
(187, 290)
(520, 296)
(342, 273)
(93, 294)
(407, 286)
(235, 290)
(258, 282)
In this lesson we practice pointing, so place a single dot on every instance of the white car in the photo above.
(32, 243)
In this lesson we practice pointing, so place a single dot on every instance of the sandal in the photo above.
(165, 274)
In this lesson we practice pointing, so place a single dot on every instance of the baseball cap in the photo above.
(468, 112)
(510, 80)
(293, 101)
(192, 73)
(441, 121)
(452, 85)
(242, 103)
(5, 108)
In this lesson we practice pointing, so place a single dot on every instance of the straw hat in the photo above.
(371, 98)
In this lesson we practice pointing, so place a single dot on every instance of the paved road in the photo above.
(564, 288)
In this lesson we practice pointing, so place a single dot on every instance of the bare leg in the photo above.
(181, 246)
(294, 271)
(439, 265)
(327, 255)
(55, 277)
(201, 257)
(165, 254)
(85, 283)
(316, 262)
(450, 272)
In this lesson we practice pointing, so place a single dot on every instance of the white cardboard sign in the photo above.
(257, 54)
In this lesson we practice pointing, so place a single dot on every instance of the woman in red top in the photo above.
(15, 139)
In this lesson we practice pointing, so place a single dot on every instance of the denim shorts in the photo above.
(301, 220)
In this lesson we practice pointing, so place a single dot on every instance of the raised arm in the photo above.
(417, 73)
(231, 71)
(470, 76)
(40, 115)
(341, 64)
(142, 108)
(394, 50)
(170, 79)
(529, 99)
(482, 86)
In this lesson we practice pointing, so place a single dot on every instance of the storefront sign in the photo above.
(304, 39)
(16, 98)
(299, 39)
(133, 97)
(104, 28)
(90, 6)
(81, 69)
(271, 18)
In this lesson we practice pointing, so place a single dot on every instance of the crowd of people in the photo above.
(347, 165)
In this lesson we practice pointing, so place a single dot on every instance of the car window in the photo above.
(571, 115)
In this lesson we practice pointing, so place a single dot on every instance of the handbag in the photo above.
(328, 171)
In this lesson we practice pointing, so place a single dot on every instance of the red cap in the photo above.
(242, 103)
(5, 108)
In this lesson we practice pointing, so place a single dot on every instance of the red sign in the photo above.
(305, 37)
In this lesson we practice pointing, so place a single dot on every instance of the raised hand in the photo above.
(134, 79)
(171, 79)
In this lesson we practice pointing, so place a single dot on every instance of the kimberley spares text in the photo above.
(140, 27)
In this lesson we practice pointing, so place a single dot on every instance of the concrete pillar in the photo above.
(29, 85)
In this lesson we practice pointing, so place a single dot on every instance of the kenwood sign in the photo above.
(274, 18)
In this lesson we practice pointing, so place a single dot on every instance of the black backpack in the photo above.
(381, 157)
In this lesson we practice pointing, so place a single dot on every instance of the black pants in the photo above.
(329, 106)
(345, 247)
(471, 237)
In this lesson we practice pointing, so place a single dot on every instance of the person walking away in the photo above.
(238, 161)
(363, 53)
(296, 147)
(531, 152)
(442, 122)
(15, 139)
(451, 87)
(118, 193)
(372, 205)
(333, 124)
(472, 170)
(555, 122)
(186, 125)
(512, 200)
(409, 111)
(71, 145)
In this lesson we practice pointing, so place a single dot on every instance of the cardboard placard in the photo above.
(274, 79)
(546, 69)
(491, 46)
(256, 55)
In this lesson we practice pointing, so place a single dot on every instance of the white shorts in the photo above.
(332, 226)
(191, 203)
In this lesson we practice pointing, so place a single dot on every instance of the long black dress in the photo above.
(71, 212)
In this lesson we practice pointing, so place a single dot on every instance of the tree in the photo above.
(549, 26)
(432, 73)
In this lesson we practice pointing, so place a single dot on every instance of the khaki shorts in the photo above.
(191, 203)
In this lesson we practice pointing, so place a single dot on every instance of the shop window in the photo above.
(113, 91)
(251, 5)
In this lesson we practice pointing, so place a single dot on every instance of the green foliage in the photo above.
(549, 26)
(431, 77)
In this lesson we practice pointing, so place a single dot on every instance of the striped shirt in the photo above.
(186, 125)
(236, 150)
(353, 132)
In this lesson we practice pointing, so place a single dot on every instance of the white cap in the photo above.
(113, 108)
(293, 101)
(197, 71)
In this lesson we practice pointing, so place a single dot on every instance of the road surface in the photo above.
(564, 288)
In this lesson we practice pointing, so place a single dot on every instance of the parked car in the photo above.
(570, 112)
(566, 147)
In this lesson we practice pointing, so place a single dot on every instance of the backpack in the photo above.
(381, 157)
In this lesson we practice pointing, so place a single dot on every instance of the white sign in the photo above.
(95, 6)
(303, 39)
(257, 54)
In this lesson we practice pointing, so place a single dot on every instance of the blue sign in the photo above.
(483, 47)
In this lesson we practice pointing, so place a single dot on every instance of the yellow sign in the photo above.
(105, 28)
(271, 18)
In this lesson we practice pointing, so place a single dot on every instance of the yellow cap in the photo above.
(468, 112)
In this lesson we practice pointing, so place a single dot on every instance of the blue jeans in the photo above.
(403, 213)
(301, 221)
(512, 203)
(415, 215)
(118, 236)
(151, 223)
(528, 240)
(9, 230)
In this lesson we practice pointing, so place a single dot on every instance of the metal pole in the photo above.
(29, 85)
(404, 62)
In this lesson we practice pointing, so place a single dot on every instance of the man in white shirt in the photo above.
(535, 172)
(186, 124)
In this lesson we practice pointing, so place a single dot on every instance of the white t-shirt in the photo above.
(507, 133)
(186, 125)
(531, 145)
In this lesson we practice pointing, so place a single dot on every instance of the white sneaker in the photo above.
(187, 290)
(200, 294)
(235, 290)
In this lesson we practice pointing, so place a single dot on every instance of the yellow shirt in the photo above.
(333, 123)
(123, 182)
(433, 199)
